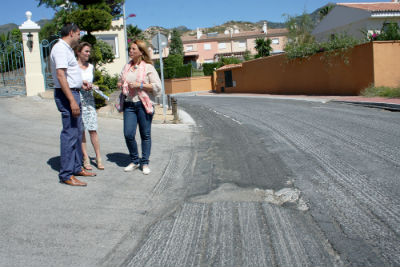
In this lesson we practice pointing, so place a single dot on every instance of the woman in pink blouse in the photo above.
(140, 84)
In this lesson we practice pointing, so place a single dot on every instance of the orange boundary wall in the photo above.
(192, 84)
(387, 64)
(371, 63)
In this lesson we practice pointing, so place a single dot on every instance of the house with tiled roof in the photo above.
(202, 47)
(357, 19)
(207, 48)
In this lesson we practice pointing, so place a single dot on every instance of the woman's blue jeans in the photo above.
(135, 114)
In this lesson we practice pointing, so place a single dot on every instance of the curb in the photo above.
(386, 106)
(185, 118)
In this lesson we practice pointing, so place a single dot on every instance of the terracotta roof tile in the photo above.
(204, 37)
(230, 66)
(374, 7)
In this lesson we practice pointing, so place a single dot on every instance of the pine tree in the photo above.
(176, 46)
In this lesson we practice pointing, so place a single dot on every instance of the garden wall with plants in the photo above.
(324, 73)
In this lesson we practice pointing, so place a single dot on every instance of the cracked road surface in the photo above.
(282, 183)
(255, 182)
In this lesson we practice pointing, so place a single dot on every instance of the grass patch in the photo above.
(381, 91)
(197, 73)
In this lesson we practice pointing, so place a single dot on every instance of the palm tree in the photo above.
(263, 47)
(133, 32)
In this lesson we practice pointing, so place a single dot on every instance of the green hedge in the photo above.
(208, 68)
(183, 71)
(177, 72)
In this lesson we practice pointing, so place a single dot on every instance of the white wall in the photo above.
(118, 31)
(342, 19)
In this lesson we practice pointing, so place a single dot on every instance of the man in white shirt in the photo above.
(68, 82)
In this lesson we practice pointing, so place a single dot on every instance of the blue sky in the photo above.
(188, 13)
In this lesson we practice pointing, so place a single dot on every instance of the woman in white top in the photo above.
(89, 115)
(140, 84)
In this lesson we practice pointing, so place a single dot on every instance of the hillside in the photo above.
(8, 27)
(241, 25)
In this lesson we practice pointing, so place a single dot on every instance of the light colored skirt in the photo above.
(89, 115)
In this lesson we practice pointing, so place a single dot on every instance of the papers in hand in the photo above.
(100, 93)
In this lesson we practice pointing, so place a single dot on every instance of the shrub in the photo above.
(177, 72)
(106, 83)
(173, 61)
(338, 45)
(110, 81)
(302, 50)
(229, 60)
(98, 100)
(174, 68)
(102, 53)
(247, 55)
(389, 32)
(183, 71)
(208, 68)
(382, 91)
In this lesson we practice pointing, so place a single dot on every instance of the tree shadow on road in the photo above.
(54, 163)
(121, 159)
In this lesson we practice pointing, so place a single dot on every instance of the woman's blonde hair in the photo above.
(144, 49)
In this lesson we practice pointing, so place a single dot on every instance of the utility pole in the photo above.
(125, 35)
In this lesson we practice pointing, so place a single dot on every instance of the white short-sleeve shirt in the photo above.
(62, 57)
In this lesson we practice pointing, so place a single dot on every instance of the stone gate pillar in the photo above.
(34, 79)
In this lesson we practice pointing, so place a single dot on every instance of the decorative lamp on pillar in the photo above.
(29, 43)
(34, 79)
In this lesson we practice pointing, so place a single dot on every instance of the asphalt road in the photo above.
(283, 183)
(255, 182)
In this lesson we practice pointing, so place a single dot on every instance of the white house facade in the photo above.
(116, 38)
(357, 19)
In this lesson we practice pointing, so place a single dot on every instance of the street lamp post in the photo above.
(125, 35)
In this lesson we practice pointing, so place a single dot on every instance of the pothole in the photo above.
(231, 192)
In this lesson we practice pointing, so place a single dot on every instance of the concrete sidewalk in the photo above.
(109, 111)
(45, 223)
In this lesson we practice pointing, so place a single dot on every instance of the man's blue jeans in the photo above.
(134, 114)
(70, 137)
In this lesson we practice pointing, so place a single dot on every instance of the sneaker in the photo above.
(146, 170)
(131, 167)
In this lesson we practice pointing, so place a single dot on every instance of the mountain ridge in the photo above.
(10, 26)
(241, 25)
